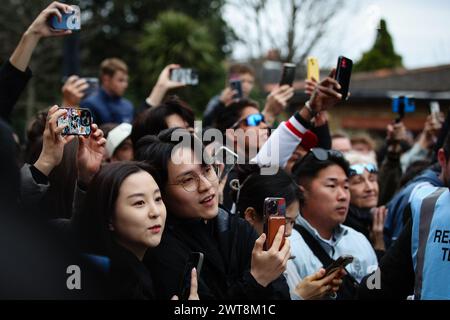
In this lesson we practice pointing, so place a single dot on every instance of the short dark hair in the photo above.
(157, 150)
(152, 121)
(110, 66)
(255, 188)
(99, 206)
(233, 113)
(238, 68)
(308, 168)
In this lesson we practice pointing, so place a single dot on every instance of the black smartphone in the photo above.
(236, 84)
(274, 218)
(341, 262)
(195, 260)
(78, 121)
(288, 74)
(343, 74)
(187, 76)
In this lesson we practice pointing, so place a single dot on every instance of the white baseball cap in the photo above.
(116, 136)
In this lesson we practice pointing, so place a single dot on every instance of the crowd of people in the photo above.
(129, 202)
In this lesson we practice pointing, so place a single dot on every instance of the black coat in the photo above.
(227, 242)
(397, 270)
(129, 277)
(12, 83)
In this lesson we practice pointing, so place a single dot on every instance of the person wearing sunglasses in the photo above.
(319, 234)
(364, 215)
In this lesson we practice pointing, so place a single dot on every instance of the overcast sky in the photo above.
(420, 30)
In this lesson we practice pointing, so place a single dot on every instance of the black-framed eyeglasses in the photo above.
(252, 120)
(191, 181)
(358, 169)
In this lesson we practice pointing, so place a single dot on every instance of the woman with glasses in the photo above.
(254, 188)
(364, 215)
(235, 264)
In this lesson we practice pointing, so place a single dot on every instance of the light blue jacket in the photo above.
(345, 241)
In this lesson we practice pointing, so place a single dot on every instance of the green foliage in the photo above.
(177, 38)
(382, 55)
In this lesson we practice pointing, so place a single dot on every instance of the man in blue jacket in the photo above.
(107, 104)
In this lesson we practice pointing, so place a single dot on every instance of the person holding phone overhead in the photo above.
(236, 72)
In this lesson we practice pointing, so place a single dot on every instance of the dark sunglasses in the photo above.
(252, 120)
(323, 154)
(358, 169)
(318, 154)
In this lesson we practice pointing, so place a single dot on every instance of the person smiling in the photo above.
(125, 215)
(235, 264)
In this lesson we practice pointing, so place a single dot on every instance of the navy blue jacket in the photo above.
(108, 109)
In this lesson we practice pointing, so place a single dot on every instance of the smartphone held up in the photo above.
(77, 120)
(274, 218)
(312, 69)
(288, 74)
(343, 74)
(69, 21)
(186, 76)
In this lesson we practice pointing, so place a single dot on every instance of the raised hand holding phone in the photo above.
(52, 142)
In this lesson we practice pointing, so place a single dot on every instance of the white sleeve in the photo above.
(281, 144)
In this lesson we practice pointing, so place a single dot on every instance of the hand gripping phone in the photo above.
(195, 260)
(184, 75)
(341, 262)
(288, 74)
(343, 74)
(312, 68)
(78, 121)
(69, 21)
(274, 218)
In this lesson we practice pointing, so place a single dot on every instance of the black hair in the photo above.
(308, 167)
(255, 188)
(233, 113)
(99, 206)
(157, 150)
(152, 121)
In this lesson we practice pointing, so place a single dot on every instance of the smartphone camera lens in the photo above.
(273, 207)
